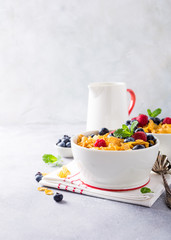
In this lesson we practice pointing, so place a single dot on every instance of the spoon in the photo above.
(162, 166)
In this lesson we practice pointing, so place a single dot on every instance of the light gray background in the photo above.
(51, 50)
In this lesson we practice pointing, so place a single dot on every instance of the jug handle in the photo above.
(132, 102)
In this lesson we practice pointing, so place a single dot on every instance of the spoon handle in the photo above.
(167, 188)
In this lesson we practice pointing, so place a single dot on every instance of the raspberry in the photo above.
(100, 143)
(142, 119)
(140, 135)
(167, 120)
(133, 118)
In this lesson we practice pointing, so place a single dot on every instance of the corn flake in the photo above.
(41, 188)
(64, 172)
(49, 192)
(151, 127)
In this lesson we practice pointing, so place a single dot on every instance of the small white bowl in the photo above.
(165, 142)
(116, 170)
(64, 151)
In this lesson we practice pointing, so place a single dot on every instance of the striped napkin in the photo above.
(74, 184)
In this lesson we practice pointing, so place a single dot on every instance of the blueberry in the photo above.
(92, 135)
(150, 144)
(129, 139)
(155, 120)
(150, 137)
(66, 140)
(110, 135)
(128, 122)
(62, 144)
(38, 173)
(38, 178)
(135, 128)
(58, 141)
(68, 144)
(103, 131)
(58, 197)
(139, 130)
(138, 147)
(66, 136)
(161, 120)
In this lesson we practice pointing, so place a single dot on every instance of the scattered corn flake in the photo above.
(41, 188)
(48, 192)
(64, 172)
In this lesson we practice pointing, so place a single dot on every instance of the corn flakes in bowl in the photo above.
(160, 128)
(107, 162)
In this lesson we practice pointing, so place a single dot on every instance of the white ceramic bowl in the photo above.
(118, 170)
(165, 142)
(64, 151)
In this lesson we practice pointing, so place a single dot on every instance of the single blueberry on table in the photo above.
(103, 131)
(139, 130)
(38, 178)
(38, 173)
(138, 147)
(58, 197)
(129, 139)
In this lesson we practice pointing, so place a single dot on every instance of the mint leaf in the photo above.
(125, 132)
(50, 159)
(122, 133)
(133, 125)
(125, 127)
(145, 190)
(156, 112)
(149, 112)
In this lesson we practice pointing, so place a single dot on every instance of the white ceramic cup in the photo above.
(107, 105)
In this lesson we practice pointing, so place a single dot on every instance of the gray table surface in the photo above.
(26, 213)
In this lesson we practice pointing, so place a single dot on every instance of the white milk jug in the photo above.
(107, 105)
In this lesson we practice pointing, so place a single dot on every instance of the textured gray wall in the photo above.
(51, 50)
